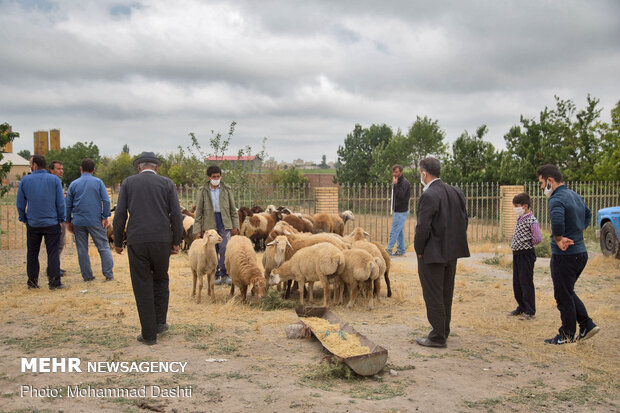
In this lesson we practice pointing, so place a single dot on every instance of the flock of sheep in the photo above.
(298, 248)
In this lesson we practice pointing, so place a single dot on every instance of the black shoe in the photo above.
(62, 272)
(226, 280)
(515, 313)
(559, 339)
(33, 286)
(147, 342)
(586, 333)
(89, 279)
(526, 316)
(218, 280)
(58, 287)
(426, 342)
(162, 328)
(109, 278)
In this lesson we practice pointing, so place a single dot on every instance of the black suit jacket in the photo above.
(154, 211)
(441, 230)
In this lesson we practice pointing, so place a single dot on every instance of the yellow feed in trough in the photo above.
(338, 342)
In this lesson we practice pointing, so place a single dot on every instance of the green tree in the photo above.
(355, 158)
(24, 153)
(323, 164)
(125, 148)
(290, 176)
(6, 135)
(608, 166)
(425, 138)
(472, 160)
(71, 158)
(113, 171)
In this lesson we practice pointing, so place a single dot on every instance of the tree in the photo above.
(355, 157)
(24, 153)
(71, 158)
(114, 171)
(125, 148)
(6, 135)
(290, 176)
(472, 160)
(425, 138)
(323, 164)
(608, 166)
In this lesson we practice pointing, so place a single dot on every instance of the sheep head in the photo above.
(347, 215)
(280, 243)
(359, 234)
(274, 277)
(258, 286)
(270, 208)
(212, 237)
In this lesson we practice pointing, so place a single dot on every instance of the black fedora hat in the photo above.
(147, 157)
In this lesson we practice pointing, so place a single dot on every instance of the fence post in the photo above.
(326, 199)
(508, 217)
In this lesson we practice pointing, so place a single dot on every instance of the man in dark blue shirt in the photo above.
(41, 206)
(569, 218)
(88, 210)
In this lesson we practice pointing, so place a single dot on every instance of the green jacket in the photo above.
(205, 215)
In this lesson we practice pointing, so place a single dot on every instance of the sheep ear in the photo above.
(286, 232)
(289, 244)
(271, 243)
(250, 287)
(367, 234)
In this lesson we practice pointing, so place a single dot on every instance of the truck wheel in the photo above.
(609, 242)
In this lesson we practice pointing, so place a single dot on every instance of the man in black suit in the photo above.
(440, 239)
(155, 227)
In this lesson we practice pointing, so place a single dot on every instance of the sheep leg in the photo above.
(194, 276)
(301, 297)
(353, 288)
(232, 289)
(244, 291)
(376, 288)
(370, 296)
(211, 286)
(387, 282)
(310, 291)
(199, 288)
(325, 291)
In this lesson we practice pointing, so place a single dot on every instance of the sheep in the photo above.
(359, 234)
(298, 223)
(270, 208)
(188, 231)
(258, 226)
(276, 252)
(311, 264)
(110, 228)
(372, 249)
(203, 260)
(256, 209)
(243, 269)
(324, 222)
(191, 213)
(359, 267)
(244, 212)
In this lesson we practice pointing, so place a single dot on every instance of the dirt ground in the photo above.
(493, 363)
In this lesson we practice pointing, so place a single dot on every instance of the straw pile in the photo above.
(335, 340)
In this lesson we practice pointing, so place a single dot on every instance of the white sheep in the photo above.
(243, 268)
(311, 264)
(203, 260)
(358, 269)
(372, 249)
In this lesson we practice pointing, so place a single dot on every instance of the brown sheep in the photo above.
(244, 212)
(299, 224)
(243, 268)
(258, 226)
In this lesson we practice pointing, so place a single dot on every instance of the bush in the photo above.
(543, 250)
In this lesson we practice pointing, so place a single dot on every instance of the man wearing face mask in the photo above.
(400, 205)
(440, 239)
(215, 209)
(569, 218)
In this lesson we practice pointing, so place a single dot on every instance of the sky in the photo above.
(300, 73)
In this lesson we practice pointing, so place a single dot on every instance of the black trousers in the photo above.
(523, 282)
(34, 235)
(565, 271)
(437, 282)
(148, 266)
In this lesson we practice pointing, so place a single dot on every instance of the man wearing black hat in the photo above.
(155, 227)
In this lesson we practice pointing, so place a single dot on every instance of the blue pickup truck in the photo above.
(608, 220)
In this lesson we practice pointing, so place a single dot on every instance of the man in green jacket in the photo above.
(215, 209)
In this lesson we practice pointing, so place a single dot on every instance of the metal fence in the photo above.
(370, 203)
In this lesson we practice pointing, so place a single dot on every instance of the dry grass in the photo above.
(481, 302)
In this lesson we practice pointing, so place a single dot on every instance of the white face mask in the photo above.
(548, 190)
(215, 182)
(519, 211)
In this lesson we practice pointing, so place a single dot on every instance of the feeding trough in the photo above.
(364, 364)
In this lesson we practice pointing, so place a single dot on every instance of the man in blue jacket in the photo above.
(41, 206)
(569, 218)
(88, 210)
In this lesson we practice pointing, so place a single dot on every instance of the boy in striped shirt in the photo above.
(526, 235)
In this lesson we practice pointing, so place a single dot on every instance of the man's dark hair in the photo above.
(397, 166)
(39, 161)
(522, 199)
(431, 165)
(88, 165)
(53, 165)
(213, 169)
(550, 171)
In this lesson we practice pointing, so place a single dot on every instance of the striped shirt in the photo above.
(527, 233)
